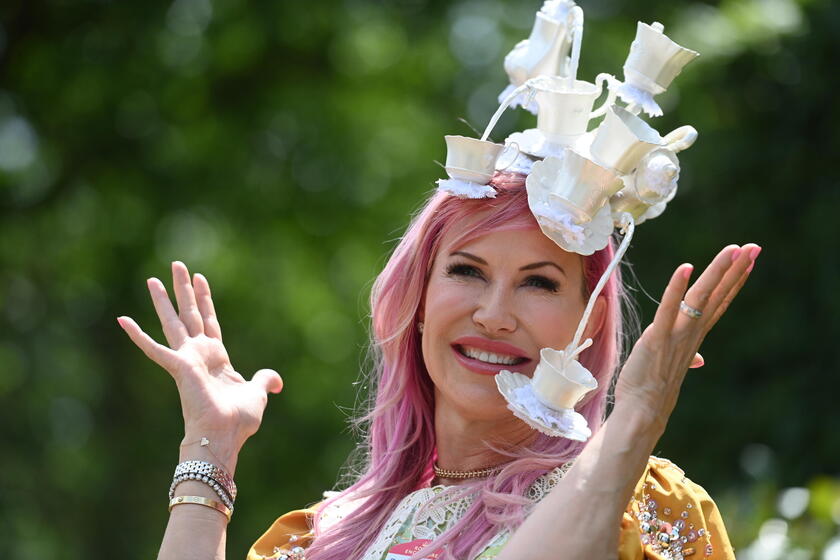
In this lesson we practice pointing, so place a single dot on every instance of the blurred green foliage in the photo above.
(279, 147)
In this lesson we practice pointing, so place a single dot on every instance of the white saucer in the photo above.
(516, 388)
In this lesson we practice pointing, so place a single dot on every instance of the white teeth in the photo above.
(489, 357)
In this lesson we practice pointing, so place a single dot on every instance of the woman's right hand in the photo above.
(216, 401)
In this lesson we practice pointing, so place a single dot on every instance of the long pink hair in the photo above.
(398, 446)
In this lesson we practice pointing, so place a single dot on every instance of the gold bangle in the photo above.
(202, 501)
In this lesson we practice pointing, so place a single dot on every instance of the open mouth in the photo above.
(489, 357)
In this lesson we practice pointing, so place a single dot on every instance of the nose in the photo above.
(494, 312)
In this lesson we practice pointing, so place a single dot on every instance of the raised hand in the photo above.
(216, 401)
(653, 374)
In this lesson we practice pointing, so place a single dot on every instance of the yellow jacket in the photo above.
(665, 504)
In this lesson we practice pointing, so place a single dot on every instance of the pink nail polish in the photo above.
(735, 254)
(687, 272)
(754, 253)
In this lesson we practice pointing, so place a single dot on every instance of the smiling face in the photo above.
(492, 304)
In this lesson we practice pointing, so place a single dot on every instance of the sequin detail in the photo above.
(670, 532)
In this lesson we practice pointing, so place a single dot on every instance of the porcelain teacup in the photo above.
(560, 382)
(471, 159)
(565, 106)
(622, 140)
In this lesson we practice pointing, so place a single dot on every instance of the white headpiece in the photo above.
(581, 184)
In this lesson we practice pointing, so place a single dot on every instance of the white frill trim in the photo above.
(583, 239)
(534, 143)
(562, 223)
(465, 189)
(519, 100)
(517, 390)
(522, 164)
(630, 94)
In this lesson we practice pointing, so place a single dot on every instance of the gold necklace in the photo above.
(462, 475)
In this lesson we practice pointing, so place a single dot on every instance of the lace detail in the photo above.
(429, 512)
(397, 519)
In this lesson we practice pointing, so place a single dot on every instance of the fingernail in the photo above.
(735, 254)
(687, 272)
(754, 253)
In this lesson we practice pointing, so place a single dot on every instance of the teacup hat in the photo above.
(582, 183)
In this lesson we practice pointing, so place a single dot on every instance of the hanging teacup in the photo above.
(653, 63)
(544, 52)
(547, 401)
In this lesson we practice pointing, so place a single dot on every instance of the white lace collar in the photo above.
(433, 510)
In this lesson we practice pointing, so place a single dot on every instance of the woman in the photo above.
(473, 287)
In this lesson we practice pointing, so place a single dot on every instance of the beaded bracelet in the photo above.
(217, 488)
(209, 470)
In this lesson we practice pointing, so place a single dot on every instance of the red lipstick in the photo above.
(494, 346)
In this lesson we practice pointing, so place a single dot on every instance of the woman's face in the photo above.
(493, 304)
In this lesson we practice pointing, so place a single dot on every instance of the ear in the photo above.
(596, 319)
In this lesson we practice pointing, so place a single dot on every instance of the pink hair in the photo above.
(399, 446)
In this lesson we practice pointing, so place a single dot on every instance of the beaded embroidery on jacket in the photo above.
(669, 533)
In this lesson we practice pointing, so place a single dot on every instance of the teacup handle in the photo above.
(512, 161)
(680, 138)
(599, 81)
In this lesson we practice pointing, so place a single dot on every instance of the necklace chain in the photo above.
(461, 475)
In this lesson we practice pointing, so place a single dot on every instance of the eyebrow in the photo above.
(531, 266)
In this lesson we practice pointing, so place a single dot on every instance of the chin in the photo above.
(480, 401)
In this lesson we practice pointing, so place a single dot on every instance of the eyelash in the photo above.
(468, 270)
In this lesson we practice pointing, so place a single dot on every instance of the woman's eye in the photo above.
(542, 282)
(463, 270)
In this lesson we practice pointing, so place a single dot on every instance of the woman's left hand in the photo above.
(651, 378)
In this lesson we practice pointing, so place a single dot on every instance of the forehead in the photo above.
(514, 246)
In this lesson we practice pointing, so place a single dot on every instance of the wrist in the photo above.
(216, 448)
(642, 423)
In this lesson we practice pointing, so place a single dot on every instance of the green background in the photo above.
(280, 147)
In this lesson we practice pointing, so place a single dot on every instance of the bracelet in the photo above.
(199, 500)
(210, 471)
(220, 492)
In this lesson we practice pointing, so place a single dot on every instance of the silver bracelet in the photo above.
(210, 470)
(218, 479)
(217, 488)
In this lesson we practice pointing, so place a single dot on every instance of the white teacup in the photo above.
(655, 60)
(543, 53)
(579, 185)
(560, 382)
(622, 140)
(471, 159)
(565, 106)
